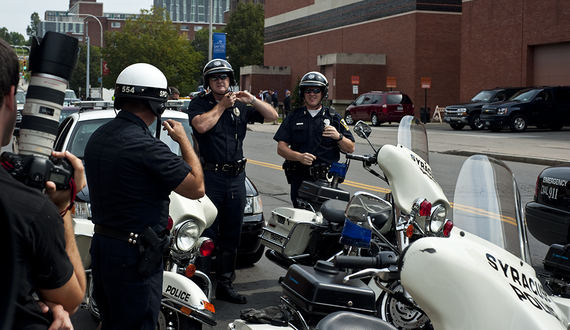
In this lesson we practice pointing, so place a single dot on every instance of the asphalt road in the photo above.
(259, 283)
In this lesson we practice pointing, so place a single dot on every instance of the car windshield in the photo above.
(483, 96)
(21, 97)
(84, 130)
(525, 95)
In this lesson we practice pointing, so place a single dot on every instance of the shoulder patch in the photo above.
(343, 123)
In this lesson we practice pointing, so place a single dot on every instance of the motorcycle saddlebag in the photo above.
(320, 291)
(319, 192)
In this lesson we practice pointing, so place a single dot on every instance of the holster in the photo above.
(152, 248)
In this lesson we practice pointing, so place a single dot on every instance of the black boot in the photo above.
(225, 274)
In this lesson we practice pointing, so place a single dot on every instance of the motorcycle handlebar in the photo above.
(362, 158)
(383, 259)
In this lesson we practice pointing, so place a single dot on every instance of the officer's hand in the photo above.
(307, 158)
(331, 132)
(62, 198)
(244, 97)
(61, 320)
(175, 130)
(228, 100)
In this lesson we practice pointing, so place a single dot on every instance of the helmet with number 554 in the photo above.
(142, 81)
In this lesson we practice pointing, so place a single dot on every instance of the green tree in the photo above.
(201, 44)
(32, 29)
(151, 38)
(245, 45)
(17, 38)
(80, 74)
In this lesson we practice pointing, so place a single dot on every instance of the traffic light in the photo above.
(25, 64)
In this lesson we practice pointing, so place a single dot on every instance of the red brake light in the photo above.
(447, 227)
(425, 208)
(206, 248)
(170, 223)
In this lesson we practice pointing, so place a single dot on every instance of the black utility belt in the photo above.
(234, 169)
(121, 235)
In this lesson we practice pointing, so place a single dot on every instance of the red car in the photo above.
(379, 107)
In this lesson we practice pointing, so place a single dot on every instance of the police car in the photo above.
(76, 129)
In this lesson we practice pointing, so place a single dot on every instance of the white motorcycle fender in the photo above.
(466, 282)
(183, 290)
(410, 177)
(202, 210)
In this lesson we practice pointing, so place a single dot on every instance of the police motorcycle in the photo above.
(379, 229)
(480, 277)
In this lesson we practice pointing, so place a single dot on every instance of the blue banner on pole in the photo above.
(219, 45)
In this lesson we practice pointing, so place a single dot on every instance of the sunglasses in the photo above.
(314, 90)
(222, 76)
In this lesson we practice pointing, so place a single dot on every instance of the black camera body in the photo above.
(52, 62)
(35, 171)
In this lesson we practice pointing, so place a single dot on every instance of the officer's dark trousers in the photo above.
(125, 299)
(296, 181)
(227, 192)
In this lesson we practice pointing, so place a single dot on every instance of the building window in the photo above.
(184, 28)
(116, 25)
(197, 28)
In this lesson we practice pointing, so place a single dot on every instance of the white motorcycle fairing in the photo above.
(202, 210)
(410, 177)
(466, 282)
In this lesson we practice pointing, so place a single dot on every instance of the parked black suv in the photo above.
(459, 115)
(543, 107)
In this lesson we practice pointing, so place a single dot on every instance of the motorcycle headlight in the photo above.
(434, 223)
(185, 235)
(81, 210)
(253, 205)
(502, 111)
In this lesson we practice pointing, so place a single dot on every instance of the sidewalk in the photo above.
(541, 147)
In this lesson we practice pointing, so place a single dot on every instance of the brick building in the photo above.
(463, 46)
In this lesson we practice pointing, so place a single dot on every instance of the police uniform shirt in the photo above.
(223, 143)
(304, 133)
(131, 175)
(41, 261)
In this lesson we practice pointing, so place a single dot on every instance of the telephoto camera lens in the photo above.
(52, 63)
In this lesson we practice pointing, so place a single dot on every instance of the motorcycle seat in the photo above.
(333, 210)
(353, 321)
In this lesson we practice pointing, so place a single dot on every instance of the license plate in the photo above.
(487, 123)
(273, 237)
(400, 108)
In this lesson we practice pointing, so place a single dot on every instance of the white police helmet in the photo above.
(142, 81)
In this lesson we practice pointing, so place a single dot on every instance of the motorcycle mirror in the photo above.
(362, 129)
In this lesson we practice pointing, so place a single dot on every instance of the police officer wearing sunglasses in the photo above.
(219, 119)
(311, 137)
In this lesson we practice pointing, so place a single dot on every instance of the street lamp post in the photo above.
(101, 50)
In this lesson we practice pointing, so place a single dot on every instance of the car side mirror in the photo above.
(353, 103)
(538, 99)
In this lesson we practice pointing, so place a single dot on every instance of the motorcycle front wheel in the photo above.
(399, 314)
(169, 319)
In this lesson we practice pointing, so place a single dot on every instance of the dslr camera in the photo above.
(52, 62)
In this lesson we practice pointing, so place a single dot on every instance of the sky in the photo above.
(15, 14)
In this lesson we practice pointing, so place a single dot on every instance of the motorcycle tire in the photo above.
(399, 314)
(169, 319)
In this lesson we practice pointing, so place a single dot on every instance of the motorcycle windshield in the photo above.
(487, 203)
(412, 135)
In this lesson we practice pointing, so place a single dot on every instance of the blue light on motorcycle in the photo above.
(355, 235)
(338, 169)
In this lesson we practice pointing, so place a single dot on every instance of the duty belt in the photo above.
(121, 235)
(235, 168)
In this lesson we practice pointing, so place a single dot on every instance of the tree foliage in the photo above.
(80, 74)
(32, 29)
(245, 36)
(151, 38)
(13, 38)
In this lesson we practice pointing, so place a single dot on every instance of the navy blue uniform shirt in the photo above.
(304, 133)
(223, 143)
(131, 175)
